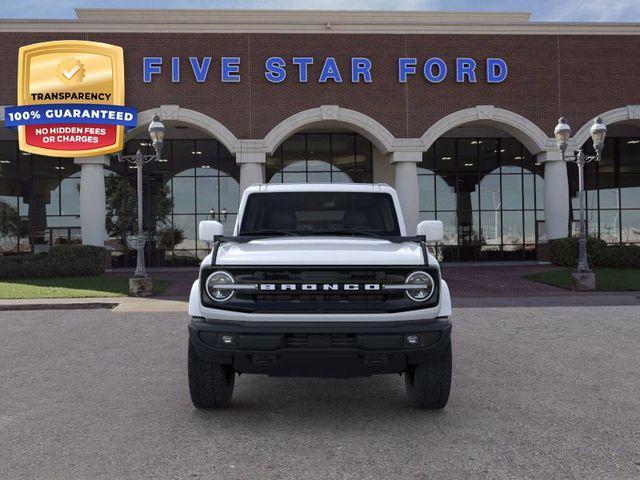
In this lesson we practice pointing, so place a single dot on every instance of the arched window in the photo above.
(321, 157)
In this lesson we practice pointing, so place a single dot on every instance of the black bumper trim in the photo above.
(319, 349)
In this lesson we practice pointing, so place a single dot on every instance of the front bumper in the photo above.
(320, 349)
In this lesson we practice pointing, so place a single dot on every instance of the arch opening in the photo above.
(612, 186)
(486, 187)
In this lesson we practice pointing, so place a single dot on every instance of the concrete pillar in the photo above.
(251, 168)
(406, 184)
(93, 208)
(556, 194)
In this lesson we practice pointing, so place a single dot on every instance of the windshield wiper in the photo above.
(364, 233)
(286, 233)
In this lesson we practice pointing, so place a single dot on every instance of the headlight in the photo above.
(215, 286)
(426, 289)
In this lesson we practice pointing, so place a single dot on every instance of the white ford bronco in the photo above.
(319, 280)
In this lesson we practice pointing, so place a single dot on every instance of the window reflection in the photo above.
(321, 157)
(612, 191)
(488, 193)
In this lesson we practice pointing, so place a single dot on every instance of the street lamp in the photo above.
(156, 133)
(562, 133)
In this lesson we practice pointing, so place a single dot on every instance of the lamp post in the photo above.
(583, 278)
(156, 133)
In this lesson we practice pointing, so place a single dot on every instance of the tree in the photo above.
(122, 208)
(9, 221)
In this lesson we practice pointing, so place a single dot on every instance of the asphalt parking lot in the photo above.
(537, 393)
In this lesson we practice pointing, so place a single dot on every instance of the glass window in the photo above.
(319, 153)
(445, 156)
(207, 192)
(488, 155)
(490, 197)
(183, 195)
(512, 192)
(609, 226)
(426, 194)
(630, 221)
(294, 154)
(511, 155)
(182, 160)
(308, 212)
(630, 190)
(321, 157)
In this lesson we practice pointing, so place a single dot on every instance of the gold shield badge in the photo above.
(69, 87)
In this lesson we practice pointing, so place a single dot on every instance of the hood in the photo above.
(321, 251)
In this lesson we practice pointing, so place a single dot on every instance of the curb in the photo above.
(57, 306)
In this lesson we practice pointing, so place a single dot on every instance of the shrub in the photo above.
(618, 256)
(564, 252)
(170, 237)
(61, 261)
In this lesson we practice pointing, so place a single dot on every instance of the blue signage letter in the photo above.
(151, 66)
(496, 70)
(406, 66)
(360, 67)
(428, 70)
(175, 69)
(230, 70)
(330, 71)
(275, 69)
(303, 64)
(200, 71)
(465, 67)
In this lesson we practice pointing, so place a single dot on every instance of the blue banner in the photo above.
(70, 113)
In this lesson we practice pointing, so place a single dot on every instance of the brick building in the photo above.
(456, 110)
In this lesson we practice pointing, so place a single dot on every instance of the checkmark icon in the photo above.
(71, 73)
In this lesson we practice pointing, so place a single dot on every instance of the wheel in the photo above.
(428, 384)
(210, 384)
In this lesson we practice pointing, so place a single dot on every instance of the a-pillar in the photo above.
(251, 168)
(406, 184)
(556, 194)
(93, 208)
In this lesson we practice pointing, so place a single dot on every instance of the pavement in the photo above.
(538, 393)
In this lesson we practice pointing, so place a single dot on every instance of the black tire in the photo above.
(210, 384)
(428, 384)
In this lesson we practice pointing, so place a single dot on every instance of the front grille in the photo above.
(320, 341)
(317, 301)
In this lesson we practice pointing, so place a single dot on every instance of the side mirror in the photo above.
(431, 230)
(208, 229)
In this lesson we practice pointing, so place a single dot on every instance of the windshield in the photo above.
(320, 213)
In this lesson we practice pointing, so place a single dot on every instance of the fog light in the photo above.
(412, 339)
(226, 339)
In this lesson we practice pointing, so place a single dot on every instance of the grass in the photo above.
(70, 287)
(607, 279)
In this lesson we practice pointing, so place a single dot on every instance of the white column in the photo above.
(93, 208)
(556, 194)
(406, 184)
(251, 168)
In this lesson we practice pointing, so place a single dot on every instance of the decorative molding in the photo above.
(329, 112)
(185, 115)
(617, 115)
(527, 132)
(382, 138)
(634, 112)
(169, 112)
(485, 112)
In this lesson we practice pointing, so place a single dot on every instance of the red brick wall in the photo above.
(578, 76)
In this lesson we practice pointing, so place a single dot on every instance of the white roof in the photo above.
(321, 187)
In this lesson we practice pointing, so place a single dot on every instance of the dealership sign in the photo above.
(323, 70)
(70, 99)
